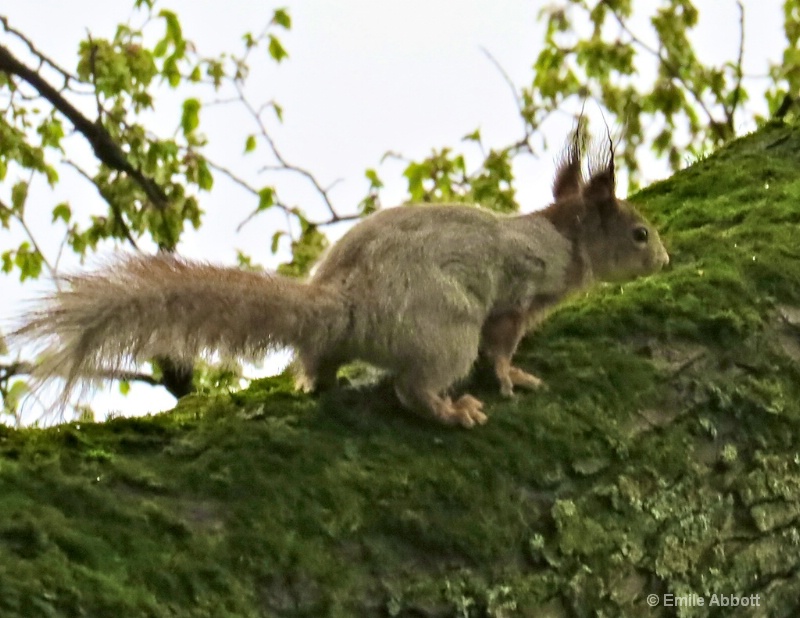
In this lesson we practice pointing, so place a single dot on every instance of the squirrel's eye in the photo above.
(640, 234)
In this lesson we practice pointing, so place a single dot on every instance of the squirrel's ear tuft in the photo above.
(569, 177)
(602, 183)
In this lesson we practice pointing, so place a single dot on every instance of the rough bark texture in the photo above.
(662, 459)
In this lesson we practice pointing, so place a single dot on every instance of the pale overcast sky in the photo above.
(362, 77)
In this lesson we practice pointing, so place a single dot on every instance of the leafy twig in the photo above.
(671, 69)
(104, 146)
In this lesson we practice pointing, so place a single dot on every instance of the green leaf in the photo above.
(51, 174)
(205, 180)
(276, 237)
(276, 50)
(5, 215)
(266, 198)
(191, 115)
(369, 204)
(278, 111)
(171, 71)
(14, 394)
(374, 181)
(475, 136)
(19, 193)
(250, 144)
(8, 261)
(281, 18)
(216, 72)
(51, 132)
(29, 261)
(160, 50)
(174, 31)
(245, 262)
(62, 211)
(124, 387)
(305, 250)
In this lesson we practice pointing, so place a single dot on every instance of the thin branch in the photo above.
(524, 142)
(216, 102)
(60, 253)
(93, 73)
(27, 368)
(784, 107)
(36, 52)
(104, 146)
(289, 211)
(737, 92)
(21, 219)
(242, 182)
(335, 217)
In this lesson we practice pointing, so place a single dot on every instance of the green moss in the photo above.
(661, 458)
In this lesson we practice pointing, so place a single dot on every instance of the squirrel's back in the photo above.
(402, 269)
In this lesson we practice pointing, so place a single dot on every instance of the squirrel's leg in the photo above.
(500, 337)
(466, 411)
(430, 370)
(316, 374)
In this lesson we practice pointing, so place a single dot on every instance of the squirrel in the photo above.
(419, 291)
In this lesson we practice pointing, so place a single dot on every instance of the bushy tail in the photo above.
(162, 306)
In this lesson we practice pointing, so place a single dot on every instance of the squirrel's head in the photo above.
(619, 242)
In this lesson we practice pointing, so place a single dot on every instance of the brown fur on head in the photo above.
(618, 242)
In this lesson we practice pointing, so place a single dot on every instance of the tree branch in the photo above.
(105, 148)
(27, 368)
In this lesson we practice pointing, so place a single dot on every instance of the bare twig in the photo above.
(737, 91)
(27, 368)
(243, 183)
(524, 142)
(39, 54)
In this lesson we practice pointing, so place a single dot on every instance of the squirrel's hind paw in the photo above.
(517, 377)
(466, 411)
(469, 411)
